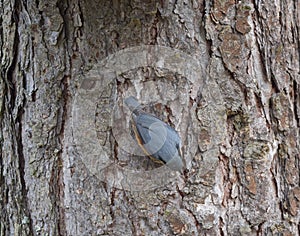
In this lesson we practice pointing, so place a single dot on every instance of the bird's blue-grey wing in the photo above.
(159, 139)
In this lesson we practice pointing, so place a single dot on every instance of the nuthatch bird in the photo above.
(156, 138)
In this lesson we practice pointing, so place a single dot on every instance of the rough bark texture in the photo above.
(225, 74)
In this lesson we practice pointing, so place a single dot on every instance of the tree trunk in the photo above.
(225, 75)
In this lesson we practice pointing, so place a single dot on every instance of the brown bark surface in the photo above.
(224, 74)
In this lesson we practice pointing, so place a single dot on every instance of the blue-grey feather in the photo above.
(168, 144)
(163, 140)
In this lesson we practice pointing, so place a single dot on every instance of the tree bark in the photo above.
(225, 75)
